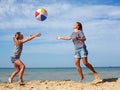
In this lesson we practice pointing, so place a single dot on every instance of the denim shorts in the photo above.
(80, 53)
(13, 59)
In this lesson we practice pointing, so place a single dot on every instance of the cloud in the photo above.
(101, 25)
(22, 15)
(99, 19)
(96, 19)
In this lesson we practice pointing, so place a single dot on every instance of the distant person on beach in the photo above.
(81, 52)
(15, 58)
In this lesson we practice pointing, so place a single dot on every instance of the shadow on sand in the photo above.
(106, 80)
(109, 80)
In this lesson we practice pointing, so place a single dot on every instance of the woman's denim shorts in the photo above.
(80, 53)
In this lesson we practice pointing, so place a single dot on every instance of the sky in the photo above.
(101, 26)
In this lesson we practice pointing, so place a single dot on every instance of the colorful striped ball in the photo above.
(41, 14)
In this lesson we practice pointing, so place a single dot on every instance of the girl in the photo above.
(81, 52)
(15, 58)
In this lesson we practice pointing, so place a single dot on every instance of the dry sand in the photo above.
(105, 84)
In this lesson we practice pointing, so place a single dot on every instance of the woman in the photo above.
(81, 52)
(15, 58)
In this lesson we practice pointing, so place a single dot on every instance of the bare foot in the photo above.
(81, 78)
(97, 78)
(96, 75)
(21, 82)
(10, 80)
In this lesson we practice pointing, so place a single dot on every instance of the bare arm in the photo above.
(30, 37)
(63, 38)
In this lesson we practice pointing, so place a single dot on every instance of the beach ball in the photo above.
(41, 14)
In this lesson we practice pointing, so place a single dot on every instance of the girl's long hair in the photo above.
(80, 26)
(16, 39)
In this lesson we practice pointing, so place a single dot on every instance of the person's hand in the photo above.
(31, 35)
(76, 38)
(38, 34)
(58, 38)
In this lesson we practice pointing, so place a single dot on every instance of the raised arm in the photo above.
(30, 37)
(63, 38)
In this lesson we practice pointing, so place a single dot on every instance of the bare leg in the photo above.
(79, 69)
(85, 61)
(22, 68)
(14, 73)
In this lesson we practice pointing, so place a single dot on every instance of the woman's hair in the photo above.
(80, 25)
(16, 39)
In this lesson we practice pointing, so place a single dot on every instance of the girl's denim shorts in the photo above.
(13, 59)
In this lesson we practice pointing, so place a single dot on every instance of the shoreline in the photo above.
(61, 67)
(105, 84)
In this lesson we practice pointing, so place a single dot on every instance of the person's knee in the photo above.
(77, 63)
(23, 66)
(17, 70)
(86, 64)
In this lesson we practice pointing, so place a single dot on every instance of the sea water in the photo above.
(67, 73)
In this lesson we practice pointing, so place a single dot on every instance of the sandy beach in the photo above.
(105, 84)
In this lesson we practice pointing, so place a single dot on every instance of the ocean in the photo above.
(60, 73)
